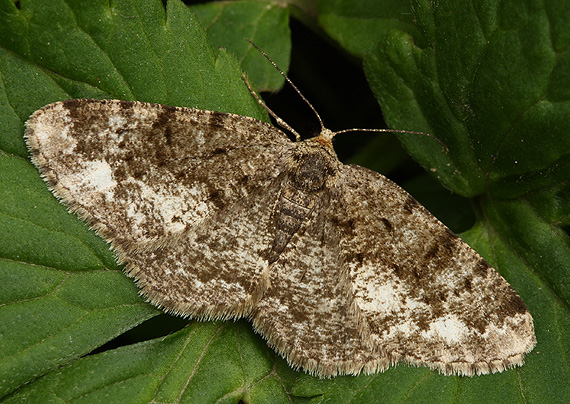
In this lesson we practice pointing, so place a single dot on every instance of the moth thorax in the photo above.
(309, 171)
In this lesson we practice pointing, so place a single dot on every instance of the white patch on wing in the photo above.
(449, 328)
(98, 176)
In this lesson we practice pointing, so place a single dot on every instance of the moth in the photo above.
(220, 216)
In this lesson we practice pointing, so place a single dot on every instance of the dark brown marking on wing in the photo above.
(483, 268)
(411, 205)
(387, 223)
(218, 121)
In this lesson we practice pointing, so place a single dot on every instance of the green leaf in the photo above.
(266, 24)
(358, 25)
(444, 90)
(203, 363)
(489, 79)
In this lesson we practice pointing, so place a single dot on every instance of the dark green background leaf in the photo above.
(358, 25)
(229, 22)
(489, 79)
(204, 363)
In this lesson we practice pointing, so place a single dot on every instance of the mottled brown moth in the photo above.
(221, 216)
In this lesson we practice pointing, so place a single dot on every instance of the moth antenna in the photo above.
(412, 132)
(290, 82)
(324, 131)
(278, 120)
